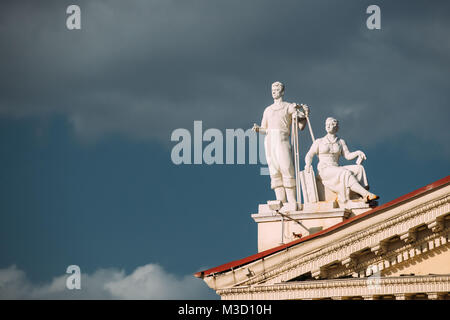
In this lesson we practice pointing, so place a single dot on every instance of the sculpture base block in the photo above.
(271, 224)
(320, 206)
(309, 219)
(286, 208)
(357, 206)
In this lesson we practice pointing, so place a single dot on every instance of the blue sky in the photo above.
(86, 118)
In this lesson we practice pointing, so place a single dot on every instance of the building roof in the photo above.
(238, 263)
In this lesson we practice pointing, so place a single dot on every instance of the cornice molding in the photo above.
(368, 287)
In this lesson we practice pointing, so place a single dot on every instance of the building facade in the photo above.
(399, 250)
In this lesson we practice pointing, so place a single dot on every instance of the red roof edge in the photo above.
(263, 254)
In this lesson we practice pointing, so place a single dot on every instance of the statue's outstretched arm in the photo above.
(259, 129)
(263, 128)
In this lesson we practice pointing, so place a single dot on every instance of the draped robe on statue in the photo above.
(336, 178)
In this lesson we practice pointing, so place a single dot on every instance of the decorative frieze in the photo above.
(437, 225)
(432, 295)
(380, 248)
(350, 262)
(409, 237)
(399, 287)
(394, 258)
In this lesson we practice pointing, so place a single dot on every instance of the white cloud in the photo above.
(150, 281)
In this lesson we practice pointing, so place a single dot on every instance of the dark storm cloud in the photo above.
(144, 68)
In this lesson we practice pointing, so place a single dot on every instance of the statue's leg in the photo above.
(356, 187)
(280, 194)
(276, 180)
(290, 194)
(287, 172)
(276, 183)
(360, 174)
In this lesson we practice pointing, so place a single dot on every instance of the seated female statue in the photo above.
(339, 179)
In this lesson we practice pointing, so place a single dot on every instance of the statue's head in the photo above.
(331, 125)
(277, 90)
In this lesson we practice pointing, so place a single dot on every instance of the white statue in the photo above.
(276, 124)
(339, 179)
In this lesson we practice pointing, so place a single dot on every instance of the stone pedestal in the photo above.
(274, 229)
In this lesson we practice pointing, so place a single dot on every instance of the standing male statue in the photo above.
(276, 124)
